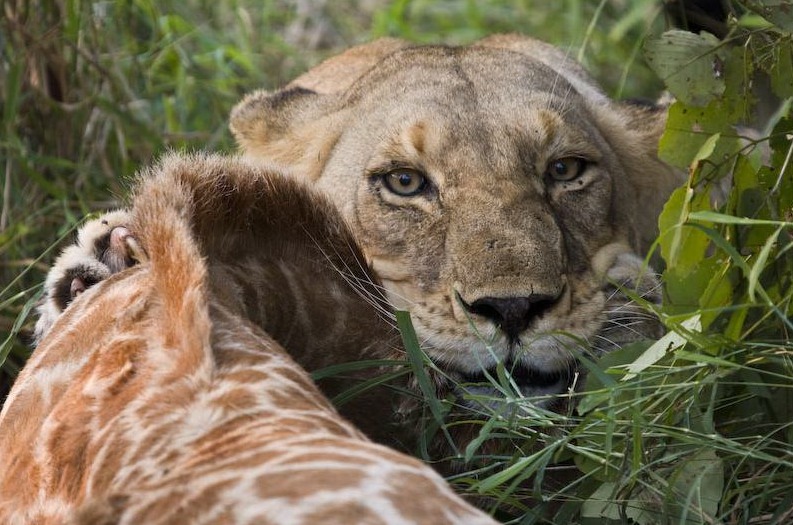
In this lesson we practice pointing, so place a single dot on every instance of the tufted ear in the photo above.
(297, 126)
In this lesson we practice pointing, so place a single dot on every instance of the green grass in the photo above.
(698, 433)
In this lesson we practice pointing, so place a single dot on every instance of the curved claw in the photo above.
(77, 287)
(136, 251)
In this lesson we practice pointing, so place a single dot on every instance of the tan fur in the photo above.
(483, 123)
(155, 397)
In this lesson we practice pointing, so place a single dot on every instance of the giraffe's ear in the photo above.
(298, 125)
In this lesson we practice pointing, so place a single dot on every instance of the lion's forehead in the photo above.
(491, 120)
(470, 71)
(451, 94)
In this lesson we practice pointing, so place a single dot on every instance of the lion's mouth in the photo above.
(530, 382)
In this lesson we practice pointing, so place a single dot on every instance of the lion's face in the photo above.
(492, 189)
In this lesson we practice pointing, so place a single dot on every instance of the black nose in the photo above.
(511, 314)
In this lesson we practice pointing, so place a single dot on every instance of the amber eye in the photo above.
(565, 169)
(405, 182)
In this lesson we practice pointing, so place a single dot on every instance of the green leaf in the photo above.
(364, 386)
(684, 290)
(638, 424)
(760, 264)
(706, 150)
(8, 343)
(668, 343)
(523, 468)
(484, 434)
(682, 247)
(689, 65)
(603, 507)
(735, 325)
(717, 294)
(721, 218)
(725, 245)
(705, 359)
(778, 12)
(782, 74)
(598, 385)
(700, 483)
(354, 366)
(779, 179)
(416, 357)
(13, 85)
(688, 128)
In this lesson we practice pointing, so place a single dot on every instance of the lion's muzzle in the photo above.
(513, 315)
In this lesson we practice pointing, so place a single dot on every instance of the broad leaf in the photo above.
(689, 128)
(682, 247)
(782, 75)
(698, 487)
(689, 64)
(603, 507)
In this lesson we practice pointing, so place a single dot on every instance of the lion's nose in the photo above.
(511, 314)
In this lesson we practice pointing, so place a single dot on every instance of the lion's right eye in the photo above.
(565, 169)
(405, 182)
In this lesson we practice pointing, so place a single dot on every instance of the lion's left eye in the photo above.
(565, 169)
(405, 182)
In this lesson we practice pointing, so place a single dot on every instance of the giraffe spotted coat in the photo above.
(153, 398)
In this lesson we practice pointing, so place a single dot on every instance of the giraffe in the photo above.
(156, 396)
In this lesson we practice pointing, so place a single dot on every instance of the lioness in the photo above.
(493, 189)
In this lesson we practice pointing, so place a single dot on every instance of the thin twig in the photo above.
(783, 169)
(6, 196)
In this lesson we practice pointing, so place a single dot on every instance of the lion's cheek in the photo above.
(404, 234)
(586, 220)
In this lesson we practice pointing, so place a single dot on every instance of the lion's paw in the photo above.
(104, 246)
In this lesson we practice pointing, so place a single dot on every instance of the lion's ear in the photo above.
(297, 126)
(294, 127)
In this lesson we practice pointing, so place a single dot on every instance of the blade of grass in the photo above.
(362, 387)
(5, 349)
(354, 366)
(418, 359)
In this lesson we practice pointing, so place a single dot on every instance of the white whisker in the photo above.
(361, 286)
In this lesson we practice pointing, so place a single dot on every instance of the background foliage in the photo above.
(695, 428)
